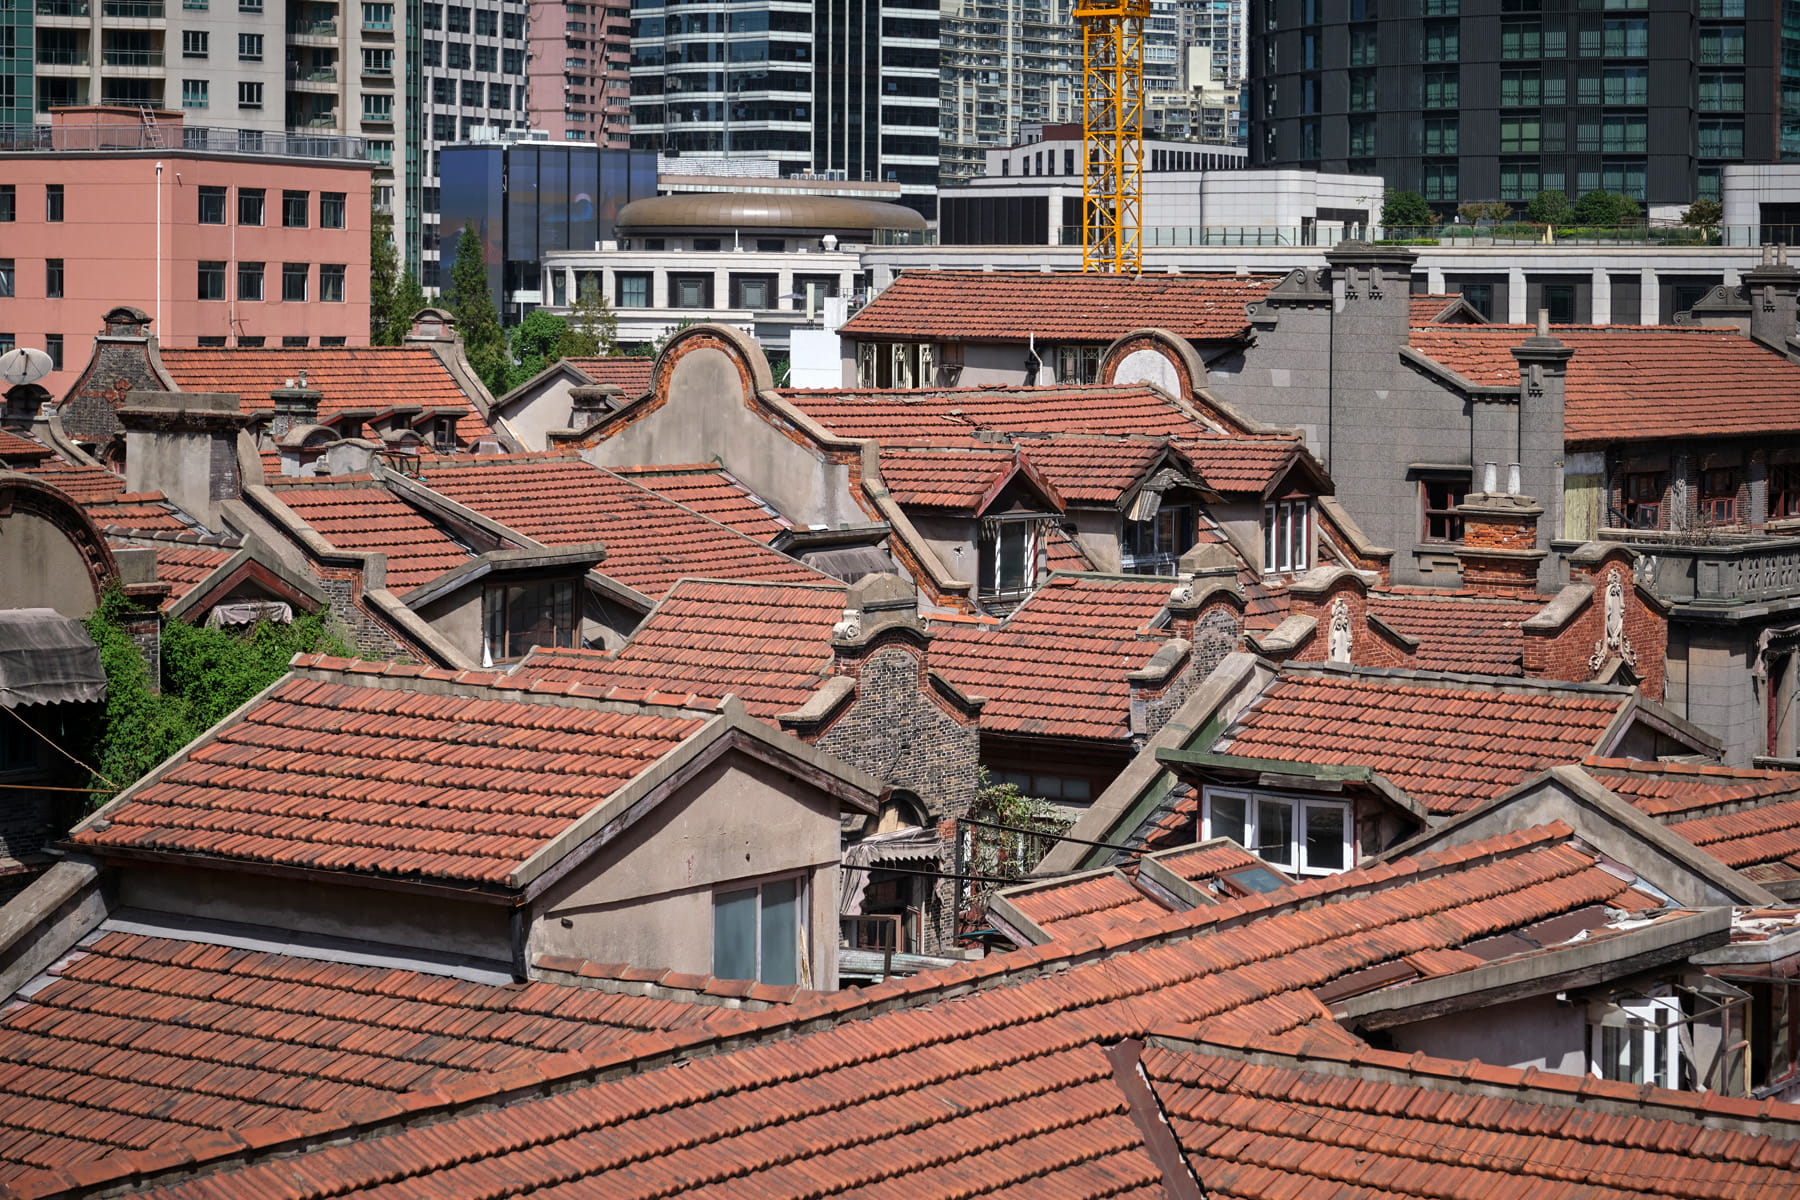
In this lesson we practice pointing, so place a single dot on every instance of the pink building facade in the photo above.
(578, 71)
(224, 238)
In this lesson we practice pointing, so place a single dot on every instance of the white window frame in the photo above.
(1287, 540)
(1299, 807)
(1653, 1024)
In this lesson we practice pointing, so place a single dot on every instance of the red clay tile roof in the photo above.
(150, 1042)
(1236, 465)
(184, 567)
(137, 510)
(907, 416)
(333, 773)
(714, 492)
(376, 377)
(84, 484)
(1083, 905)
(651, 542)
(1057, 666)
(1449, 745)
(988, 1076)
(1209, 861)
(1006, 306)
(632, 374)
(1472, 633)
(1427, 307)
(373, 519)
(1662, 789)
(16, 449)
(1064, 553)
(1094, 470)
(954, 479)
(1631, 383)
(769, 644)
(1762, 843)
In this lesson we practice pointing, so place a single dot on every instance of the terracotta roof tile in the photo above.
(1064, 553)
(1663, 790)
(84, 484)
(334, 774)
(989, 1076)
(17, 451)
(1764, 841)
(1057, 306)
(714, 492)
(1475, 633)
(148, 1042)
(1095, 470)
(769, 644)
(346, 376)
(1086, 905)
(373, 519)
(1207, 862)
(1237, 465)
(184, 567)
(1428, 308)
(1057, 666)
(957, 480)
(146, 511)
(650, 541)
(1630, 383)
(906, 416)
(1450, 745)
(631, 373)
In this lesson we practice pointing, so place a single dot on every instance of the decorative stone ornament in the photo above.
(1613, 642)
(1341, 633)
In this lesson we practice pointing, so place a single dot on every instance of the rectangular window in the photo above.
(1438, 499)
(1438, 181)
(1721, 139)
(1362, 94)
(250, 206)
(250, 281)
(294, 207)
(6, 278)
(53, 346)
(251, 340)
(338, 340)
(1154, 545)
(1442, 89)
(293, 281)
(331, 210)
(513, 61)
(1639, 1041)
(1718, 503)
(1627, 85)
(211, 281)
(633, 290)
(378, 16)
(1520, 89)
(499, 95)
(1442, 42)
(250, 6)
(1522, 40)
(517, 617)
(458, 19)
(377, 107)
(1008, 552)
(53, 202)
(1362, 137)
(1520, 135)
(210, 340)
(1722, 45)
(378, 62)
(471, 92)
(1362, 47)
(1286, 545)
(432, 16)
(195, 93)
(212, 206)
(1308, 837)
(250, 47)
(759, 933)
(250, 95)
(1721, 92)
(487, 22)
(1628, 133)
(432, 52)
(1640, 495)
(291, 341)
(691, 291)
(9, 202)
(53, 278)
(487, 58)
(1784, 491)
(331, 283)
(457, 56)
(193, 43)
(753, 291)
(1439, 135)
(1626, 38)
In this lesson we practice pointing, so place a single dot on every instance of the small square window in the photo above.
(195, 93)
(293, 281)
(212, 206)
(250, 47)
(331, 283)
(250, 95)
(634, 290)
(1438, 499)
(331, 210)
(250, 281)
(250, 206)
(194, 43)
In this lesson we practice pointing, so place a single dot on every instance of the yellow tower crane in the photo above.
(1112, 132)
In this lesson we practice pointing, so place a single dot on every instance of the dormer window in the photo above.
(1287, 542)
(1153, 546)
(1300, 835)
(517, 617)
(1009, 555)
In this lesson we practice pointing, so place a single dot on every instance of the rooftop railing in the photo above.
(1514, 236)
(113, 138)
(1720, 571)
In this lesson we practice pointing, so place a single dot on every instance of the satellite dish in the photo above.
(24, 365)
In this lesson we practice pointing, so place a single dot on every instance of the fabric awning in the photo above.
(850, 563)
(47, 658)
(918, 843)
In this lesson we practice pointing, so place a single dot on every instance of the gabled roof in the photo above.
(632, 373)
(348, 377)
(183, 568)
(1006, 306)
(1449, 742)
(941, 412)
(1478, 632)
(651, 542)
(152, 1042)
(992, 1074)
(712, 491)
(142, 511)
(958, 479)
(19, 451)
(1057, 666)
(356, 513)
(85, 484)
(1667, 790)
(1431, 308)
(768, 644)
(1761, 843)
(457, 777)
(1250, 465)
(1637, 382)
(1094, 470)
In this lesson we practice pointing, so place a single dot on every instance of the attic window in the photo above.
(1009, 555)
(516, 617)
(1303, 836)
(1286, 544)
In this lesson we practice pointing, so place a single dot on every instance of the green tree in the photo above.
(653, 348)
(477, 320)
(1703, 213)
(1548, 208)
(386, 326)
(409, 298)
(1407, 210)
(1031, 829)
(1484, 210)
(1607, 210)
(539, 340)
(592, 320)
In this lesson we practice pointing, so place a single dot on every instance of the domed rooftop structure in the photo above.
(794, 216)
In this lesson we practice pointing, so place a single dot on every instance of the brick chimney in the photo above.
(588, 406)
(1499, 550)
(295, 405)
(1773, 286)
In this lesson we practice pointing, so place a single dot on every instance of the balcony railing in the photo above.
(131, 58)
(62, 8)
(1722, 573)
(132, 8)
(199, 138)
(61, 58)
(312, 74)
(313, 28)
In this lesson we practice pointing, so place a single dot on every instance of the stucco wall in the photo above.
(1535, 1032)
(41, 568)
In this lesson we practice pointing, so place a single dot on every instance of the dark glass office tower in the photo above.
(1466, 100)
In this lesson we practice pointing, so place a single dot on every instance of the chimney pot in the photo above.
(1512, 479)
(1490, 478)
(1543, 322)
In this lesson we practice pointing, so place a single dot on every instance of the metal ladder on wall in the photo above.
(153, 134)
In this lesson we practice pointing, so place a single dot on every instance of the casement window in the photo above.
(1286, 537)
(53, 278)
(633, 289)
(1154, 545)
(293, 281)
(331, 283)
(250, 281)
(516, 617)
(1055, 788)
(212, 206)
(759, 932)
(9, 202)
(1640, 498)
(53, 346)
(1718, 502)
(1078, 364)
(294, 206)
(1784, 491)
(250, 206)
(1299, 835)
(7, 268)
(53, 202)
(331, 210)
(1009, 553)
(1438, 518)
(1638, 1041)
(211, 281)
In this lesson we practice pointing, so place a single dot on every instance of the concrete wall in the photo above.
(41, 568)
(1708, 681)
(647, 898)
(706, 415)
(457, 619)
(953, 539)
(1098, 531)
(548, 409)
(1535, 1032)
